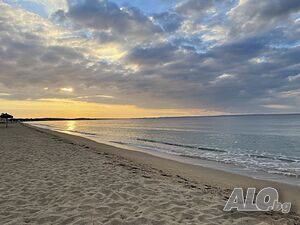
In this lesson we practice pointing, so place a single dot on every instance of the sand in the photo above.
(52, 178)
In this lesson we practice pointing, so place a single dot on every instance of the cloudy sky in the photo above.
(121, 58)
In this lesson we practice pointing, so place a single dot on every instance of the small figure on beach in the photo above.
(6, 118)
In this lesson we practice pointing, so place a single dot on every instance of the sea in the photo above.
(260, 146)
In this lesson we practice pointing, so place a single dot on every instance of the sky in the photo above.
(137, 58)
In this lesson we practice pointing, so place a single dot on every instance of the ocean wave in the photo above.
(80, 132)
(280, 158)
(288, 174)
(181, 145)
(194, 157)
(257, 156)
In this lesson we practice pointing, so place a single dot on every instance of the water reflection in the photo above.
(71, 125)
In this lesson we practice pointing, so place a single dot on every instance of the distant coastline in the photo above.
(160, 117)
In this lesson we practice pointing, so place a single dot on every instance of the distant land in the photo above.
(171, 117)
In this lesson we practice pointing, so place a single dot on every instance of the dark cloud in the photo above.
(257, 16)
(152, 55)
(239, 51)
(108, 16)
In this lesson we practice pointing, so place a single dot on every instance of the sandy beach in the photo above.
(54, 178)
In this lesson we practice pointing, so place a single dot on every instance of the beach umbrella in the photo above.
(6, 117)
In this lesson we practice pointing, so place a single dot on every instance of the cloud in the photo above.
(152, 55)
(250, 17)
(293, 78)
(169, 21)
(106, 16)
(278, 106)
(195, 8)
(41, 7)
(180, 58)
(29, 62)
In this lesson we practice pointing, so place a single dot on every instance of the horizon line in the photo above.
(158, 117)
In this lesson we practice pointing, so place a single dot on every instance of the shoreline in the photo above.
(206, 163)
(196, 173)
(188, 159)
